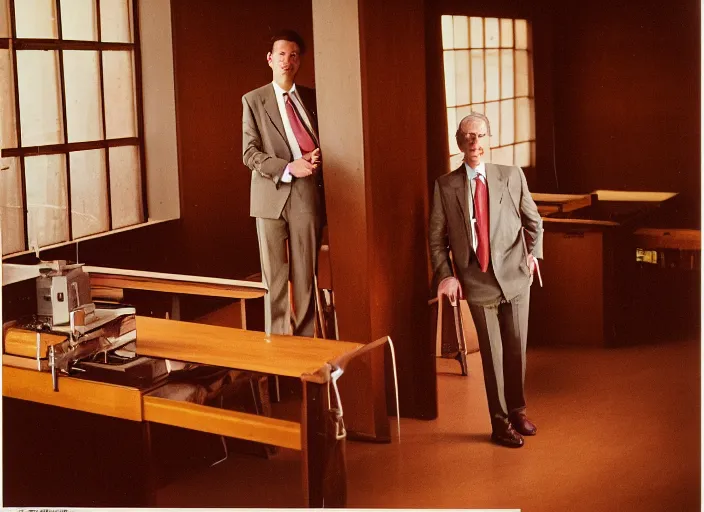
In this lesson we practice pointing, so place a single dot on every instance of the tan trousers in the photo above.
(502, 330)
(302, 231)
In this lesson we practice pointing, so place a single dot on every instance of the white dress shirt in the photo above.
(471, 174)
(292, 142)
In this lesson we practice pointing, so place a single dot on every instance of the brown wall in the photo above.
(220, 52)
(627, 98)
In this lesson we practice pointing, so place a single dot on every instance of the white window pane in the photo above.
(118, 83)
(449, 67)
(83, 110)
(521, 154)
(79, 20)
(5, 19)
(507, 74)
(477, 107)
(452, 123)
(521, 27)
(47, 219)
(36, 19)
(493, 113)
(40, 110)
(507, 123)
(11, 206)
(506, 33)
(116, 21)
(462, 112)
(462, 77)
(522, 76)
(460, 32)
(477, 57)
(125, 186)
(491, 32)
(89, 193)
(502, 156)
(447, 36)
(8, 121)
(476, 32)
(456, 161)
(492, 84)
(523, 119)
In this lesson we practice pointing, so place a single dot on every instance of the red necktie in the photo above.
(305, 141)
(481, 213)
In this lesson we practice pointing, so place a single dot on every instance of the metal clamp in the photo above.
(340, 431)
(54, 371)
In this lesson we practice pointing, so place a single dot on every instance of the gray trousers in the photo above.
(302, 230)
(502, 331)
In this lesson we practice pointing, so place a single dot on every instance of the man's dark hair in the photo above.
(291, 36)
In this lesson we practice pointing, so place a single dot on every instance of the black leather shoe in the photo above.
(507, 436)
(523, 424)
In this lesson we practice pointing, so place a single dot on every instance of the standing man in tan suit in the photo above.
(280, 146)
(480, 213)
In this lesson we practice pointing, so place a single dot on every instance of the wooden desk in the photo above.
(291, 356)
(309, 359)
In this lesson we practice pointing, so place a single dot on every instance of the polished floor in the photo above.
(618, 430)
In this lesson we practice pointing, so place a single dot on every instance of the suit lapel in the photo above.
(459, 184)
(271, 107)
(496, 183)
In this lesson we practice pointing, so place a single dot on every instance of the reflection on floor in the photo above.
(618, 429)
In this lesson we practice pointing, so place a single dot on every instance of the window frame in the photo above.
(15, 44)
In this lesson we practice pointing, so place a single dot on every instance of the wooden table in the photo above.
(309, 359)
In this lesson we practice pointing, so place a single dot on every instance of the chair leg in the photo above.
(254, 396)
(320, 313)
(461, 342)
(222, 440)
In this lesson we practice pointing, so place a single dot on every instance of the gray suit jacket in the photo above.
(265, 150)
(511, 210)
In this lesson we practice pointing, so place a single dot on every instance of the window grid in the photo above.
(471, 46)
(66, 148)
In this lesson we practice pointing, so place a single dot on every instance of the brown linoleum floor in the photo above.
(618, 430)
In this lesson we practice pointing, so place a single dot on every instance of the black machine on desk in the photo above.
(71, 335)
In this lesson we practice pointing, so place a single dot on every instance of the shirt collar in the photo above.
(471, 173)
(280, 92)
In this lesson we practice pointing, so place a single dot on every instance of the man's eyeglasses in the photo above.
(472, 135)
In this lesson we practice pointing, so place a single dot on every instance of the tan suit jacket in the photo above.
(266, 152)
(511, 210)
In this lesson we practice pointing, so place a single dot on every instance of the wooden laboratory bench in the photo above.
(309, 359)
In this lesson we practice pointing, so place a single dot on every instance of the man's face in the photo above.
(476, 141)
(284, 59)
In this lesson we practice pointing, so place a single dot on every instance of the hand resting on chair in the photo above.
(451, 287)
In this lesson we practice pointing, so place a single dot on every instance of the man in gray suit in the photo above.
(484, 214)
(280, 146)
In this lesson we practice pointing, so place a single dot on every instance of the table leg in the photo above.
(243, 314)
(149, 465)
(324, 468)
(175, 307)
